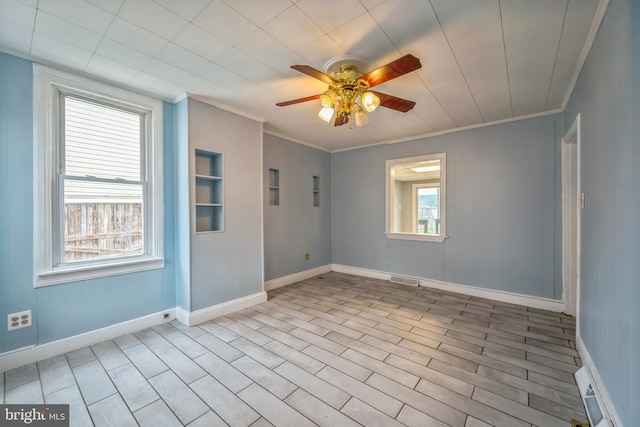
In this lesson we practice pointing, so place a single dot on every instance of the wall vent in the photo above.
(591, 401)
(403, 280)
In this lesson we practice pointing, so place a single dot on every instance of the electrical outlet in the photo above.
(19, 320)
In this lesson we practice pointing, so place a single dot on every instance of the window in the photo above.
(98, 179)
(416, 198)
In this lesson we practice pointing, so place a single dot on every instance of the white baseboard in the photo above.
(296, 277)
(24, 356)
(199, 316)
(503, 296)
(607, 407)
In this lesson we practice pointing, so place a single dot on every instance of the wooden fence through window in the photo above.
(100, 230)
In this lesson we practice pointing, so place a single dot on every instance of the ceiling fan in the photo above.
(348, 95)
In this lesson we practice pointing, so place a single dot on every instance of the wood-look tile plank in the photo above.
(110, 412)
(145, 360)
(436, 377)
(414, 418)
(483, 359)
(225, 373)
(522, 412)
(318, 411)
(318, 341)
(299, 359)
(267, 378)
(529, 365)
(362, 391)
(219, 347)
(396, 349)
(233, 410)
(470, 406)
(181, 399)
(338, 362)
(420, 401)
(360, 346)
(219, 331)
(313, 385)
(273, 409)
(367, 415)
(257, 353)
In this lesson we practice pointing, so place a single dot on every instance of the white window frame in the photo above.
(390, 197)
(49, 84)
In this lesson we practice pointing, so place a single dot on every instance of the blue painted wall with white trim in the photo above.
(296, 227)
(63, 310)
(606, 97)
(502, 203)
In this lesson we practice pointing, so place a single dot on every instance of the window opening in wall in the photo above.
(416, 198)
(274, 187)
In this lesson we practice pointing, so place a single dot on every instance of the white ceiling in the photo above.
(482, 60)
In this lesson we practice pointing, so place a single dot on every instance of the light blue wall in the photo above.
(228, 265)
(606, 96)
(296, 227)
(502, 200)
(68, 309)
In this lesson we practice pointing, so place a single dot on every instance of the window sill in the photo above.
(93, 271)
(419, 237)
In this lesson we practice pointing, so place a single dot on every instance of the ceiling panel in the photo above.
(17, 13)
(80, 12)
(531, 37)
(293, 28)
(135, 37)
(259, 12)
(59, 52)
(200, 42)
(331, 14)
(105, 67)
(482, 60)
(580, 14)
(123, 54)
(66, 32)
(152, 17)
(111, 6)
(225, 23)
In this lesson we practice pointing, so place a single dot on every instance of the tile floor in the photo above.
(336, 350)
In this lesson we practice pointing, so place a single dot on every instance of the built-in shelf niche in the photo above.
(209, 192)
(274, 187)
(316, 191)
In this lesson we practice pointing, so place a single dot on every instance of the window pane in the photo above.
(101, 141)
(428, 210)
(102, 220)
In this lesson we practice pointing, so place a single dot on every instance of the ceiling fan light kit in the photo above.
(348, 96)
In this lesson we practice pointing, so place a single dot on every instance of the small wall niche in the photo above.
(209, 192)
(274, 187)
(316, 191)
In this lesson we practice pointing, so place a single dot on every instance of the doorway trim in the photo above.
(571, 213)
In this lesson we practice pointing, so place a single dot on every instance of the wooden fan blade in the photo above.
(395, 103)
(341, 119)
(316, 74)
(298, 101)
(397, 68)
